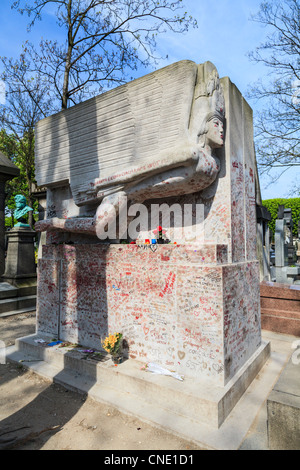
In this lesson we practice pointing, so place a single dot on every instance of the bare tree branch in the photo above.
(277, 124)
(104, 40)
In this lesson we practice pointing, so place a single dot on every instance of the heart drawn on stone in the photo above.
(181, 354)
(146, 330)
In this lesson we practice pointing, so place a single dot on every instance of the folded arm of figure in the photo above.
(181, 157)
(78, 225)
(191, 169)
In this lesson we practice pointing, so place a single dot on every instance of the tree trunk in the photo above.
(68, 60)
(64, 102)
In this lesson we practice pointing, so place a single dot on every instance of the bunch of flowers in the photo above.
(159, 232)
(112, 344)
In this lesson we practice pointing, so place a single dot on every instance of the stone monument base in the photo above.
(26, 285)
(151, 397)
(184, 307)
(20, 268)
(18, 285)
(280, 307)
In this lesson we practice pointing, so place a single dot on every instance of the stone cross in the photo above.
(281, 243)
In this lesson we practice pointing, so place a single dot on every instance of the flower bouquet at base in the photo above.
(113, 345)
(160, 235)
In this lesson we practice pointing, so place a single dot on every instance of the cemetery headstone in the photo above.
(8, 171)
(283, 272)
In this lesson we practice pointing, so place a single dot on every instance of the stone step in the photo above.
(196, 400)
(135, 406)
(280, 324)
(280, 308)
(280, 313)
(17, 312)
(8, 291)
(17, 303)
(81, 374)
(281, 304)
(279, 291)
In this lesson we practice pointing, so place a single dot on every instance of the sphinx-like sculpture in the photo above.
(158, 167)
(193, 305)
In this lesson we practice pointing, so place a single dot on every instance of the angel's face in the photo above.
(215, 133)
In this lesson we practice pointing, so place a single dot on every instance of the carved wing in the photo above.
(119, 135)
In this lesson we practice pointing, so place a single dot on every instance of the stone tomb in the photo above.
(282, 271)
(180, 136)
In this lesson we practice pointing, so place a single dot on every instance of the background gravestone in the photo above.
(12, 297)
(287, 215)
(20, 267)
(8, 171)
(263, 241)
(283, 272)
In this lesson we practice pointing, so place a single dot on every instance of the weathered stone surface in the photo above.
(191, 307)
(177, 306)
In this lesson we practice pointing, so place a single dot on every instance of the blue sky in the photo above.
(224, 35)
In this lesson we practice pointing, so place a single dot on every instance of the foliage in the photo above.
(14, 150)
(277, 125)
(27, 101)
(103, 41)
(293, 204)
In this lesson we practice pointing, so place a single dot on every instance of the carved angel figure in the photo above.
(186, 167)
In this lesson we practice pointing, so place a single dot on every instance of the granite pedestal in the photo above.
(20, 267)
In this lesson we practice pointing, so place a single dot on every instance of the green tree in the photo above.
(9, 147)
(104, 40)
(18, 151)
(27, 101)
(273, 204)
(277, 125)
